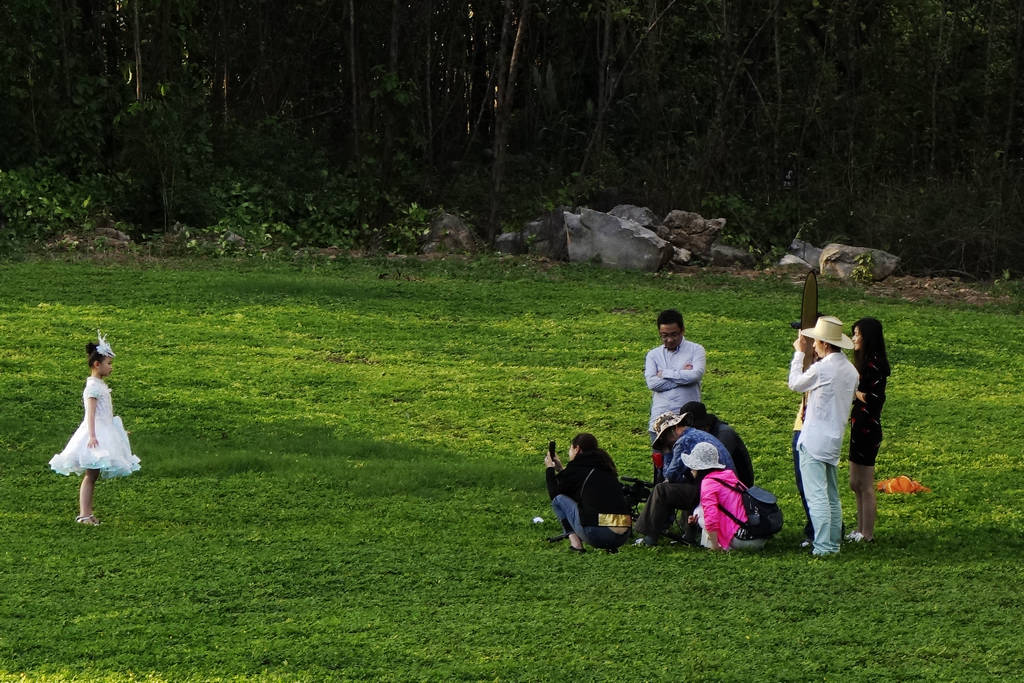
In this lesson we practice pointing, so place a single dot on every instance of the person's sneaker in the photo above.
(855, 536)
(646, 541)
(806, 543)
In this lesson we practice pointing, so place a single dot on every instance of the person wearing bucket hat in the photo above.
(660, 426)
(830, 383)
(695, 414)
(678, 491)
(704, 456)
(717, 488)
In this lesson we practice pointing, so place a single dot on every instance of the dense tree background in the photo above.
(893, 124)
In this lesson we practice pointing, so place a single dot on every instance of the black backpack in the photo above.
(764, 517)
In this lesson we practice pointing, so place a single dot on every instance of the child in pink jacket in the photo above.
(719, 529)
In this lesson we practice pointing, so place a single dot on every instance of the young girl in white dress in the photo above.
(100, 444)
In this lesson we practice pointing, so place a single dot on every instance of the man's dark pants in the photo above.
(666, 498)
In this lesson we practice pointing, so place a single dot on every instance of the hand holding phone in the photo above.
(552, 457)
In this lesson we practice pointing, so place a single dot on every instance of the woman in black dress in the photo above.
(870, 359)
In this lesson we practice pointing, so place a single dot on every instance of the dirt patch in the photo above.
(912, 288)
(938, 289)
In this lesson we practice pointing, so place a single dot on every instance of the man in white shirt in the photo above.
(829, 382)
(675, 369)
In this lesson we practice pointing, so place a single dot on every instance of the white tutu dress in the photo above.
(113, 456)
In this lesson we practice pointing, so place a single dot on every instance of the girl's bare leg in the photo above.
(862, 482)
(85, 493)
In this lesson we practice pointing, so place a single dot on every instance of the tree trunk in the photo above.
(138, 51)
(502, 104)
(64, 56)
(352, 73)
(428, 91)
(609, 93)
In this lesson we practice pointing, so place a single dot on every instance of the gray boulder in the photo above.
(728, 255)
(113, 235)
(638, 214)
(510, 243)
(450, 234)
(234, 239)
(680, 256)
(806, 252)
(546, 237)
(848, 263)
(795, 263)
(616, 242)
(691, 231)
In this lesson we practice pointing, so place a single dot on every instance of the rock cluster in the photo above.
(841, 261)
(634, 237)
(628, 236)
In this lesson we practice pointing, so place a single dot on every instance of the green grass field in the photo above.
(340, 464)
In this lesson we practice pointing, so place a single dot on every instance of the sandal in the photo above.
(89, 520)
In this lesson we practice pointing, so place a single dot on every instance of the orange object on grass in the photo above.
(901, 484)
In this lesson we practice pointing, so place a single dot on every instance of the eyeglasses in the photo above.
(670, 335)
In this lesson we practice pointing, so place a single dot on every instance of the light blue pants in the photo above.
(822, 491)
(566, 510)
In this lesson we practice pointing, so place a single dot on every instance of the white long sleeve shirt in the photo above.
(830, 383)
(676, 386)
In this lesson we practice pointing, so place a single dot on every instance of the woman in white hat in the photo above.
(829, 382)
(721, 509)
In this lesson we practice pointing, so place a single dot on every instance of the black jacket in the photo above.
(724, 432)
(589, 481)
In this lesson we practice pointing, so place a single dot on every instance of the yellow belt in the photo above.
(614, 520)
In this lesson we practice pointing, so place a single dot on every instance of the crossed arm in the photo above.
(665, 379)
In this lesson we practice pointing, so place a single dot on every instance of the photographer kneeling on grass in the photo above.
(587, 497)
(679, 491)
(695, 414)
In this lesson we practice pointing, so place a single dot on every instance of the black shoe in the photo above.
(578, 550)
(556, 539)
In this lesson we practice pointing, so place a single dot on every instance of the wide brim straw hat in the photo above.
(704, 456)
(829, 329)
(663, 423)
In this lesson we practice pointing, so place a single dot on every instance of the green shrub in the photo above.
(37, 204)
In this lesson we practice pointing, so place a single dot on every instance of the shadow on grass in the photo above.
(367, 467)
(931, 529)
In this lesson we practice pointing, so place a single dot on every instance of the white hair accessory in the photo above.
(103, 348)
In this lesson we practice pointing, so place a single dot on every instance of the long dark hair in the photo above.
(872, 346)
(587, 443)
